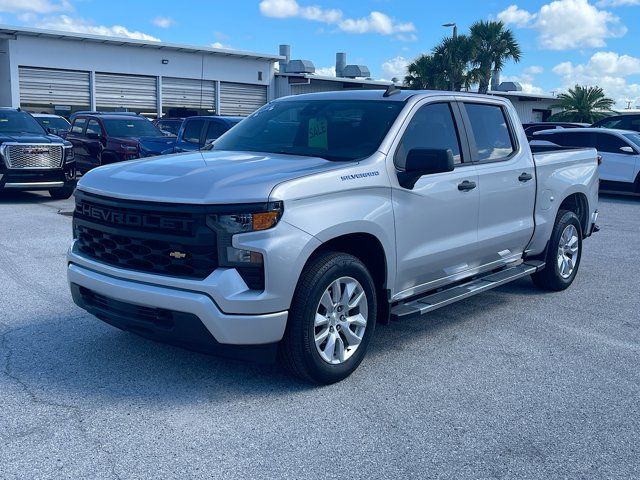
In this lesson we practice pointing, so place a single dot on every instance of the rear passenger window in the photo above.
(192, 131)
(609, 143)
(78, 125)
(490, 130)
(573, 139)
(215, 130)
(432, 127)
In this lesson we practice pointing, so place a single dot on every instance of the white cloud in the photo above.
(79, 25)
(375, 22)
(534, 70)
(516, 16)
(221, 45)
(395, 67)
(607, 70)
(326, 71)
(36, 6)
(567, 24)
(617, 3)
(163, 22)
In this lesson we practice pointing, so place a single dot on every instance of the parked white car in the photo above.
(620, 151)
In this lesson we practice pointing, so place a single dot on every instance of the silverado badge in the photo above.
(178, 255)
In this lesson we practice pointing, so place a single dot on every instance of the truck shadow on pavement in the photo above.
(20, 198)
(81, 358)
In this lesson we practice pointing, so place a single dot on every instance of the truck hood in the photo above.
(156, 145)
(29, 138)
(208, 177)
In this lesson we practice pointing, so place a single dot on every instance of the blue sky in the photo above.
(564, 41)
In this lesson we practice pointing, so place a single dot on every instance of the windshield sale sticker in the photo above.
(318, 133)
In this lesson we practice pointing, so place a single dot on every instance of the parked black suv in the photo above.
(102, 138)
(32, 159)
(620, 122)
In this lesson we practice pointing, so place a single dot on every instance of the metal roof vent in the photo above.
(300, 66)
(356, 71)
(509, 87)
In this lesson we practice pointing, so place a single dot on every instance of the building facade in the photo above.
(60, 72)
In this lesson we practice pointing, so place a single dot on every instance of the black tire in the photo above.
(550, 278)
(61, 193)
(298, 352)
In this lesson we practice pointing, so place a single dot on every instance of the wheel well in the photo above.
(366, 248)
(109, 156)
(578, 204)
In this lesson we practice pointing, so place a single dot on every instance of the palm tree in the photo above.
(448, 66)
(426, 73)
(582, 104)
(494, 45)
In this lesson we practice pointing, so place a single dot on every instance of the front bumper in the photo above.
(226, 329)
(38, 179)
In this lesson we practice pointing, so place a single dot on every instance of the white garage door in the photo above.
(188, 93)
(241, 99)
(132, 92)
(44, 86)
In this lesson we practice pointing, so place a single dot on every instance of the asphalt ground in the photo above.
(513, 383)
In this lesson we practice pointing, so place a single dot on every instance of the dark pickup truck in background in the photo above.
(103, 138)
(198, 131)
(31, 158)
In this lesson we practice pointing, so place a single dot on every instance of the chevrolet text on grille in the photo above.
(132, 219)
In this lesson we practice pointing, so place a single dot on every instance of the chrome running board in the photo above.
(419, 306)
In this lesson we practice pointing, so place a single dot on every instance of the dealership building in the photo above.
(63, 72)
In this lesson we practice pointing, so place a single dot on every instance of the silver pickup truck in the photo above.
(320, 215)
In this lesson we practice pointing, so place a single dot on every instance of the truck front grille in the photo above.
(33, 156)
(146, 254)
(160, 239)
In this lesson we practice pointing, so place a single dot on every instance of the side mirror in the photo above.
(94, 136)
(629, 150)
(425, 161)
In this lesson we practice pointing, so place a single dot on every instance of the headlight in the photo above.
(228, 225)
(69, 155)
(128, 148)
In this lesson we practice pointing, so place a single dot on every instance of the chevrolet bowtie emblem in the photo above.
(178, 255)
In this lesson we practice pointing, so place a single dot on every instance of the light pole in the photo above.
(455, 28)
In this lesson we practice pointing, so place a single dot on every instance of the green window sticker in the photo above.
(318, 133)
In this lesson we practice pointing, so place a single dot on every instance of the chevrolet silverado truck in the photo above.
(322, 214)
(33, 159)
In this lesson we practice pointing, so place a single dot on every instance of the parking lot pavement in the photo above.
(513, 383)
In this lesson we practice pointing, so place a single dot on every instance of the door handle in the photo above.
(466, 186)
(525, 177)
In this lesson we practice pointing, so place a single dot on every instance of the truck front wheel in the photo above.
(61, 193)
(563, 254)
(332, 319)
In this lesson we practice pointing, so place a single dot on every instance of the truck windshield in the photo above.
(338, 130)
(130, 127)
(12, 121)
(53, 122)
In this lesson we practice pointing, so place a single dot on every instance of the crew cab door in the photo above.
(617, 165)
(506, 182)
(191, 133)
(76, 137)
(436, 220)
(93, 142)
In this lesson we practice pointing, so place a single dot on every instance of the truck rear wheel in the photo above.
(563, 254)
(332, 319)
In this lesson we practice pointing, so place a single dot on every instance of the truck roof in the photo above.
(398, 96)
(616, 131)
